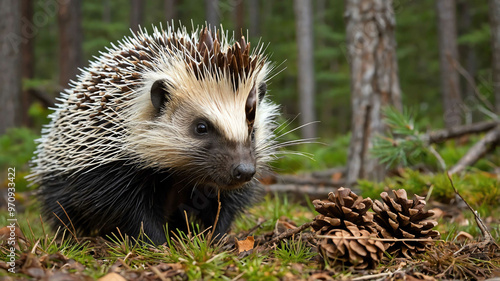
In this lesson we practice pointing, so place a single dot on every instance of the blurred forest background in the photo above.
(434, 59)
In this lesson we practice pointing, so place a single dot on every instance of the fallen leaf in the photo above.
(463, 236)
(320, 276)
(245, 245)
(5, 233)
(290, 277)
(112, 277)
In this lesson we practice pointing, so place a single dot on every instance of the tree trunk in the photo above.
(106, 11)
(10, 64)
(253, 16)
(239, 19)
(70, 40)
(495, 48)
(467, 51)
(374, 81)
(170, 10)
(212, 12)
(448, 54)
(28, 62)
(304, 34)
(136, 14)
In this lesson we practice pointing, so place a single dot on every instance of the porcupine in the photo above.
(152, 130)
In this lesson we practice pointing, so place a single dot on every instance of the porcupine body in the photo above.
(152, 130)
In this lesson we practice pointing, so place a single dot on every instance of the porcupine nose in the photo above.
(243, 172)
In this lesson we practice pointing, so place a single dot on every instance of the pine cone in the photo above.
(404, 219)
(352, 247)
(345, 215)
(343, 205)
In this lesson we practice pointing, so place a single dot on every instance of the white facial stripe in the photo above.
(226, 110)
(216, 99)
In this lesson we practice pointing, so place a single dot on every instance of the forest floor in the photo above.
(266, 243)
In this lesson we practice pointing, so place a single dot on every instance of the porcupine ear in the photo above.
(250, 107)
(159, 95)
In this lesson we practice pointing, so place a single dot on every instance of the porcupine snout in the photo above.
(243, 172)
(243, 169)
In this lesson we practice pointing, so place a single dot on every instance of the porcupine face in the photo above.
(218, 143)
(208, 122)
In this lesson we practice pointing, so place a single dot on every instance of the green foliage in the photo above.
(481, 35)
(314, 156)
(33, 229)
(198, 259)
(480, 188)
(417, 59)
(202, 258)
(257, 267)
(16, 149)
(403, 144)
(294, 250)
(272, 209)
(39, 115)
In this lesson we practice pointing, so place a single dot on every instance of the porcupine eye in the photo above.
(201, 128)
(159, 95)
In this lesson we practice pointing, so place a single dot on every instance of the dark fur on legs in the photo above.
(120, 195)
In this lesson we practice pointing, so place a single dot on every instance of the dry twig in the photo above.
(488, 238)
(478, 150)
(286, 234)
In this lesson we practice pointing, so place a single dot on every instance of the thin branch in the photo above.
(157, 272)
(488, 238)
(251, 230)
(455, 132)
(374, 276)
(478, 150)
(438, 157)
(73, 233)
(41, 96)
(288, 233)
(211, 233)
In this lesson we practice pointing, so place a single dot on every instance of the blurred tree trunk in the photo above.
(10, 64)
(448, 55)
(304, 35)
(170, 11)
(253, 16)
(239, 18)
(212, 12)
(70, 40)
(106, 11)
(495, 47)
(374, 81)
(28, 62)
(467, 51)
(136, 14)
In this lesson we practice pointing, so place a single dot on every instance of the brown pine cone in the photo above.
(351, 247)
(402, 218)
(343, 205)
(345, 217)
